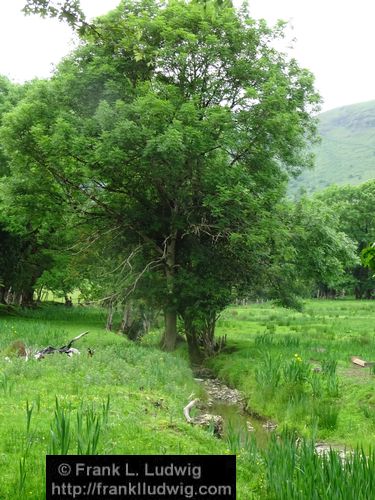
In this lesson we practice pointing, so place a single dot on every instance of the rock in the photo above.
(207, 420)
(220, 392)
(269, 426)
(203, 373)
(324, 448)
(250, 428)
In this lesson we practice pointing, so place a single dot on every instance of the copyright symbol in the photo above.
(64, 469)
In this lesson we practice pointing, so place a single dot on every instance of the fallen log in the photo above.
(65, 349)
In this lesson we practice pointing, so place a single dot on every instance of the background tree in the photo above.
(32, 215)
(354, 206)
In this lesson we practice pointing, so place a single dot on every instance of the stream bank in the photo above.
(229, 404)
(235, 420)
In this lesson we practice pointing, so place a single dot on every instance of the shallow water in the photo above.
(236, 422)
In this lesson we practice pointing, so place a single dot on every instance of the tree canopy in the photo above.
(173, 127)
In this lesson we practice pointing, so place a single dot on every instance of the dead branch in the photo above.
(65, 349)
(188, 408)
(75, 339)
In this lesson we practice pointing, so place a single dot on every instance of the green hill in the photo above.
(346, 154)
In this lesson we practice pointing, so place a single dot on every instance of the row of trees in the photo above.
(151, 169)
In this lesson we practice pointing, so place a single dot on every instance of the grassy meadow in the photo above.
(128, 398)
(295, 367)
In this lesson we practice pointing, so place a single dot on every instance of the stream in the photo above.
(230, 405)
(237, 421)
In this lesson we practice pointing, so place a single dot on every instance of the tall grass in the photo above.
(88, 429)
(295, 471)
(326, 415)
(329, 367)
(268, 373)
(6, 384)
(89, 426)
(60, 435)
(292, 469)
(296, 371)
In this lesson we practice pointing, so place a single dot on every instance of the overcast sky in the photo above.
(335, 39)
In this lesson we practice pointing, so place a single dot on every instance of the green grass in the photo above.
(295, 367)
(126, 399)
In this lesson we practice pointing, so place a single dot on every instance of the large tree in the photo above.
(176, 125)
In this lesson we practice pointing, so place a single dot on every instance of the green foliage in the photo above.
(174, 126)
(309, 249)
(368, 257)
(67, 10)
(353, 206)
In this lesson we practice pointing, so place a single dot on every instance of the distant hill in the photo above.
(346, 154)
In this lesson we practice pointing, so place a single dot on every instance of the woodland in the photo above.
(146, 211)
(149, 174)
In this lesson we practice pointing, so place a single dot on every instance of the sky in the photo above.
(335, 39)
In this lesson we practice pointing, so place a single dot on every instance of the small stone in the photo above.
(250, 428)
(269, 426)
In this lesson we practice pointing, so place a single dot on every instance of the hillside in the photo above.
(346, 154)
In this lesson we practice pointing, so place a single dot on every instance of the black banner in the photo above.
(176, 477)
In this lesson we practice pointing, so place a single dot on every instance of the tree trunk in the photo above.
(27, 297)
(127, 318)
(210, 324)
(170, 332)
(109, 324)
(2, 295)
(195, 354)
(168, 342)
(12, 297)
(68, 301)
